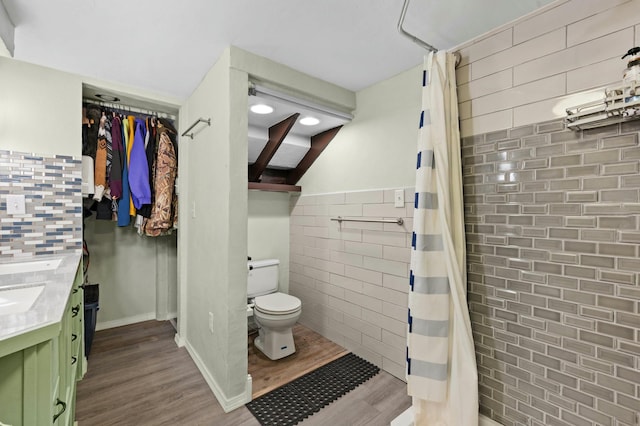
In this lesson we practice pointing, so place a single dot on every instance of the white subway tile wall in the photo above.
(560, 16)
(353, 277)
(52, 223)
(485, 85)
(534, 69)
(554, 273)
(608, 21)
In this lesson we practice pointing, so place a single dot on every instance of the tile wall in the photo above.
(52, 188)
(532, 70)
(353, 278)
(553, 226)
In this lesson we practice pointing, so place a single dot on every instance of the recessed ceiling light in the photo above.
(309, 121)
(261, 109)
(107, 98)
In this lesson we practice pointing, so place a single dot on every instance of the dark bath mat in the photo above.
(297, 400)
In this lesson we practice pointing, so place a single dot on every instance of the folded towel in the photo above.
(87, 176)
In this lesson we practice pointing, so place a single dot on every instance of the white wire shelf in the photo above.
(616, 107)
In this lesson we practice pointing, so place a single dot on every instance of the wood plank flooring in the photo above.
(137, 376)
(312, 351)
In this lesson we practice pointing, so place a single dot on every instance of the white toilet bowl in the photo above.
(276, 314)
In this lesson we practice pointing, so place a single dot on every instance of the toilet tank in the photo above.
(263, 277)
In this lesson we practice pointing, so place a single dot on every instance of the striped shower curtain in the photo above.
(441, 366)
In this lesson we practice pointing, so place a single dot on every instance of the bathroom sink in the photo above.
(17, 300)
(29, 266)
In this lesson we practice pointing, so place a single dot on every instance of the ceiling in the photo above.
(298, 139)
(167, 46)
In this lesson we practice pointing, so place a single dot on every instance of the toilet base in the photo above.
(275, 344)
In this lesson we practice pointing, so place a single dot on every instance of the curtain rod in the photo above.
(416, 39)
(128, 108)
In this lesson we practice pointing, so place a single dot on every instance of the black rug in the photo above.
(297, 400)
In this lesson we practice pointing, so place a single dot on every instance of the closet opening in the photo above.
(130, 201)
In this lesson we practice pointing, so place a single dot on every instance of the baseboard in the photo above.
(227, 404)
(125, 321)
(179, 341)
(406, 419)
(168, 316)
(486, 421)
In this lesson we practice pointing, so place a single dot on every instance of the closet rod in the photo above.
(416, 39)
(398, 221)
(199, 120)
(128, 108)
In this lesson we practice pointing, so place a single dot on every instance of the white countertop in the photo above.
(49, 306)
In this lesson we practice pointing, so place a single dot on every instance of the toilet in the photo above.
(274, 312)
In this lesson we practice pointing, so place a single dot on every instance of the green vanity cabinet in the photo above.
(39, 369)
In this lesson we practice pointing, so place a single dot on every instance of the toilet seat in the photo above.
(277, 304)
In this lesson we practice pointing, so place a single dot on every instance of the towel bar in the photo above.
(199, 120)
(398, 221)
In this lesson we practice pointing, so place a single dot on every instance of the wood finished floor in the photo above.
(312, 351)
(137, 376)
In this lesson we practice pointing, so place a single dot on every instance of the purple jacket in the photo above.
(139, 168)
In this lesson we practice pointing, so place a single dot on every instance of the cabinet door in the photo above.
(41, 384)
(30, 385)
(11, 388)
(77, 326)
(65, 354)
(38, 383)
(70, 354)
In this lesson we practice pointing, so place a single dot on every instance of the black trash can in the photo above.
(91, 306)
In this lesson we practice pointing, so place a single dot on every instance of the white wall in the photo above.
(130, 269)
(532, 70)
(40, 112)
(522, 74)
(137, 275)
(127, 275)
(213, 174)
(40, 109)
(378, 148)
(285, 79)
(214, 194)
(268, 230)
(526, 72)
(268, 215)
(167, 277)
(353, 278)
(214, 246)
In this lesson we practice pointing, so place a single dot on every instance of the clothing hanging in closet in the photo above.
(135, 168)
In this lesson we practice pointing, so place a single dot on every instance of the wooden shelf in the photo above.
(285, 180)
(275, 187)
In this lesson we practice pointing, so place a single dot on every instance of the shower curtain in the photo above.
(441, 365)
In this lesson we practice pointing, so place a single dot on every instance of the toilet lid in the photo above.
(277, 303)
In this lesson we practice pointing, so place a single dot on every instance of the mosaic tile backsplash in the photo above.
(552, 220)
(52, 222)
